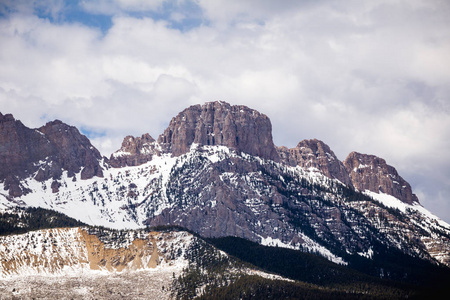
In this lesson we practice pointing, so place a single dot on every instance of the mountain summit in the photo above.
(219, 123)
(43, 153)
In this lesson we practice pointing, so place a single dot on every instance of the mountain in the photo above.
(171, 263)
(216, 171)
(218, 123)
(44, 154)
(369, 172)
(316, 154)
(135, 151)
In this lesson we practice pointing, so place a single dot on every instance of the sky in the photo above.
(365, 76)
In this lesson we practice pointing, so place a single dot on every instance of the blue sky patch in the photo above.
(183, 16)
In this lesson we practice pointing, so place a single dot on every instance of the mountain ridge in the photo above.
(307, 154)
(240, 184)
(214, 123)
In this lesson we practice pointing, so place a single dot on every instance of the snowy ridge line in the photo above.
(391, 201)
(310, 245)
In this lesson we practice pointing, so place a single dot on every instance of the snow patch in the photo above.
(391, 201)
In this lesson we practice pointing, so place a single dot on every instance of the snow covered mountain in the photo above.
(216, 171)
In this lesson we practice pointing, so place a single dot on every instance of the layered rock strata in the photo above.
(47, 152)
(63, 250)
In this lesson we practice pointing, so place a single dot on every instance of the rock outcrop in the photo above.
(134, 151)
(59, 250)
(369, 172)
(219, 123)
(73, 151)
(219, 191)
(316, 154)
(43, 153)
(20, 149)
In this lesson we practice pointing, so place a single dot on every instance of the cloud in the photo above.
(372, 77)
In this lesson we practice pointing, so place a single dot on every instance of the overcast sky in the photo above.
(366, 76)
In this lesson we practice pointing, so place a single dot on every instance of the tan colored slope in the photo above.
(63, 250)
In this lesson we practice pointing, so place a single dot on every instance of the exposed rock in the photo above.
(20, 149)
(73, 150)
(372, 173)
(45, 152)
(218, 191)
(134, 151)
(55, 186)
(58, 250)
(316, 154)
(218, 123)
(140, 254)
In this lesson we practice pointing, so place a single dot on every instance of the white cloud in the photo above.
(372, 77)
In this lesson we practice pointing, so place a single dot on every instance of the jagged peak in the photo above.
(54, 122)
(6, 117)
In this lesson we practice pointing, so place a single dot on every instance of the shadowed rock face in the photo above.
(134, 151)
(20, 147)
(369, 172)
(218, 123)
(74, 151)
(45, 152)
(316, 154)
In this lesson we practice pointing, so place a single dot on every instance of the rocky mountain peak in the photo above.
(74, 151)
(316, 154)
(369, 172)
(6, 118)
(134, 151)
(43, 153)
(20, 148)
(219, 123)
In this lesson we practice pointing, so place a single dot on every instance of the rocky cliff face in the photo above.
(135, 151)
(248, 131)
(73, 151)
(372, 173)
(43, 153)
(218, 123)
(316, 154)
(20, 149)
